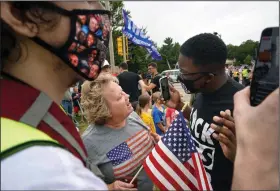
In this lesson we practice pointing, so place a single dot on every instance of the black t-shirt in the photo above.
(155, 81)
(219, 169)
(80, 83)
(129, 83)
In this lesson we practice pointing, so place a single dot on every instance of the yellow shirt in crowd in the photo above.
(148, 119)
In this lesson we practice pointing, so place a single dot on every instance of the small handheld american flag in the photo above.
(174, 163)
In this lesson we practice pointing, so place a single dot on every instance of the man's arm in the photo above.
(150, 86)
(67, 171)
(143, 86)
(153, 83)
(162, 128)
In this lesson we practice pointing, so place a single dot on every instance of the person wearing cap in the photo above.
(105, 67)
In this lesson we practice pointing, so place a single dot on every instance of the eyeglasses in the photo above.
(185, 75)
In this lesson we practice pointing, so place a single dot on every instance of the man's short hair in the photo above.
(123, 66)
(153, 64)
(205, 49)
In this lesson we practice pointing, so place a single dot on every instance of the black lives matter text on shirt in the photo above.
(129, 83)
(155, 81)
(219, 169)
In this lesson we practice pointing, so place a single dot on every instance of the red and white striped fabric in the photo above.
(174, 163)
(130, 154)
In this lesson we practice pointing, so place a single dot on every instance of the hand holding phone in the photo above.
(164, 88)
(266, 70)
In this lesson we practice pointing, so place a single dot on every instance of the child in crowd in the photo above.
(158, 114)
(144, 111)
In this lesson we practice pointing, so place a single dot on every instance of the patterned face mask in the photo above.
(87, 44)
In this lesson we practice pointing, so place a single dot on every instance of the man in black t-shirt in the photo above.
(129, 82)
(154, 85)
(202, 71)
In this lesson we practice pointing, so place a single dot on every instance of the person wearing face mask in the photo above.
(37, 137)
(202, 71)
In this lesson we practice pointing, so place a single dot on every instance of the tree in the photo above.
(117, 23)
(169, 51)
(248, 60)
(231, 51)
(116, 10)
(240, 53)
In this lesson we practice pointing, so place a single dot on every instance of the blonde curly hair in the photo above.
(93, 103)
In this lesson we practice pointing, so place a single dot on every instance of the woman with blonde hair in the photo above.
(117, 140)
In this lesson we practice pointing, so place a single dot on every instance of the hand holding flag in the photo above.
(174, 163)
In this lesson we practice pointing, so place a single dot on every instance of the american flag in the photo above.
(130, 154)
(174, 163)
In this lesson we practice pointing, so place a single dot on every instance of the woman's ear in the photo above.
(11, 16)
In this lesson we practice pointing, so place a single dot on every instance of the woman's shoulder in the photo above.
(134, 115)
(136, 121)
(93, 135)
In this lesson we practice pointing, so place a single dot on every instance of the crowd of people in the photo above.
(241, 74)
(41, 147)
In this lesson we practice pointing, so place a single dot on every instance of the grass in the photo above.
(82, 124)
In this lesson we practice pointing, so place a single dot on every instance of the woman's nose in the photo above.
(126, 95)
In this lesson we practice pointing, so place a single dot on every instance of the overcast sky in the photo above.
(236, 21)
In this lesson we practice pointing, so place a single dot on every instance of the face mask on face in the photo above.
(87, 44)
(188, 85)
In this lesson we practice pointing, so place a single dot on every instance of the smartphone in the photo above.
(266, 69)
(164, 88)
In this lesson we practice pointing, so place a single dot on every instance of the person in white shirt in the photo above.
(37, 40)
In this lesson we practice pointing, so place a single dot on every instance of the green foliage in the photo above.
(243, 53)
(248, 59)
(169, 51)
(139, 58)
